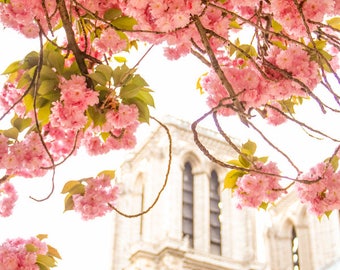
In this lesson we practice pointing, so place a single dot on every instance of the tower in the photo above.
(195, 225)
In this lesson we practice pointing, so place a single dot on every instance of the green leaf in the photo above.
(134, 44)
(11, 133)
(231, 178)
(279, 44)
(263, 205)
(30, 60)
(47, 86)
(24, 81)
(47, 73)
(46, 260)
(110, 173)
(328, 213)
(276, 26)
(28, 102)
(334, 161)
(15, 66)
(334, 22)
(146, 97)
(68, 202)
(98, 77)
(69, 186)
(249, 148)
(137, 79)
(119, 73)
(53, 252)
(248, 50)
(42, 236)
(244, 161)
(105, 70)
(97, 117)
(235, 162)
(129, 91)
(44, 114)
(112, 14)
(31, 248)
(262, 159)
(55, 59)
(21, 123)
(120, 59)
(319, 44)
(234, 24)
(124, 23)
(42, 266)
(105, 135)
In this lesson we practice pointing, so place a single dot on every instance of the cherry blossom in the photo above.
(14, 254)
(256, 188)
(8, 197)
(98, 198)
(322, 194)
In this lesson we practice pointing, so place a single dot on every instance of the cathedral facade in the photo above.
(195, 224)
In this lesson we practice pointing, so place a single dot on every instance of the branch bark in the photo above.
(72, 43)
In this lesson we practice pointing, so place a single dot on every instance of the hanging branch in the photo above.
(37, 125)
(165, 179)
(215, 65)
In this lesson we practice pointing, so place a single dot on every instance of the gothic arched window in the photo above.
(188, 204)
(295, 250)
(215, 212)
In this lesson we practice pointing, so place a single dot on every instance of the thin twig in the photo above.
(165, 180)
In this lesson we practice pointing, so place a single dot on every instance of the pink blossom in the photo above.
(68, 117)
(60, 141)
(27, 157)
(22, 15)
(123, 117)
(254, 188)
(323, 192)
(14, 255)
(286, 13)
(99, 195)
(109, 42)
(273, 116)
(75, 93)
(9, 95)
(8, 197)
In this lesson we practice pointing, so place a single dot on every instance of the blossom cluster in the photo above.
(77, 99)
(99, 197)
(69, 111)
(256, 91)
(14, 254)
(8, 197)
(322, 193)
(256, 188)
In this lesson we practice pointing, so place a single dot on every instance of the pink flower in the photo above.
(255, 188)
(109, 42)
(75, 93)
(67, 117)
(8, 197)
(123, 117)
(274, 117)
(99, 195)
(323, 193)
(15, 256)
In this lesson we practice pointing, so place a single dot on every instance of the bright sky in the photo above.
(88, 245)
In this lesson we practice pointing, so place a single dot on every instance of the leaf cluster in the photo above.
(246, 159)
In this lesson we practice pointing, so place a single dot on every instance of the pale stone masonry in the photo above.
(250, 239)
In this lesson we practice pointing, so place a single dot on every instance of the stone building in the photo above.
(195, 225)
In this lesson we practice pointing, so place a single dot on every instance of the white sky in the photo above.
(88, 245)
